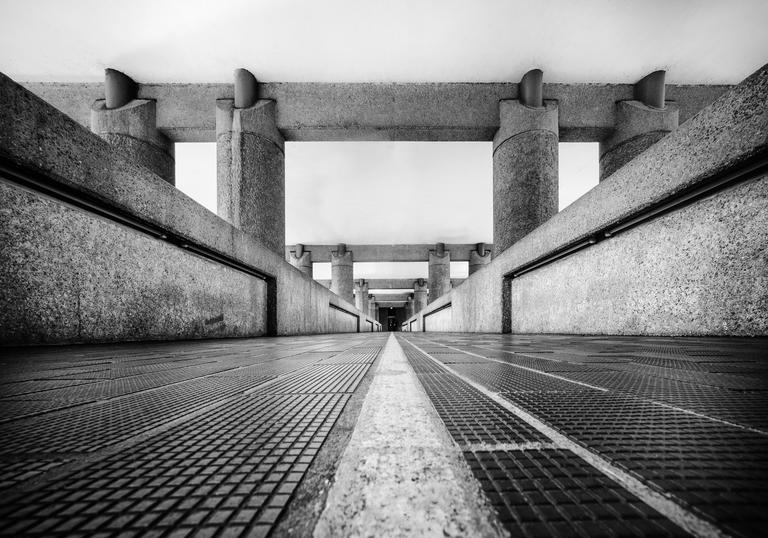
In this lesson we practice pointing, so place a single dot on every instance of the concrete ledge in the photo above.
(37, 138)
(390, 253)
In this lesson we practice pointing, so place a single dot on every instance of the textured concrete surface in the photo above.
(68, 276)
(392, 283)
(439, 274)
(361, 295)
(700, 270)
(400, 474)
(302, 262)
(36, 137)
(342, 283)
(719, 138)
(420, 294)
(131, 130)
(350, 111)
(439, 320)
(478, 260)
(390, 253)
(250, 158)
(638, 127)
(525, 171)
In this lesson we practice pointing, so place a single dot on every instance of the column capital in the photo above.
(515, 118)
(420, 285)
(257, 120)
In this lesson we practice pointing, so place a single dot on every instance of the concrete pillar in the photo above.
(640, 123)
(479, 257)
(341, 273)
(129, 124)
(372, 307)
(420, 290)
(301, 259)
(251, 165)
(439, 275)
(361, 295)
(409, 312)
(524, 167)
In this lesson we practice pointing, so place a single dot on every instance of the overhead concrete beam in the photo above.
(392, 283)
(362, 111)
(388, 253)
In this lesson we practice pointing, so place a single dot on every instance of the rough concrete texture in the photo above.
(342, 283)
(420, 294)
(401, 473)
(361, 295)
(701, 270)
(251, 171)
(34, 136)
(392, 283)
(722, 136)
(388, 111)
(131, 130)
(638, 127)
(439, 274)
(439, 321)
(525, 188)
(68, 276)
(477, 260)
(303, 262)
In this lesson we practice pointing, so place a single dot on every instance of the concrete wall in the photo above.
(698, 270)
(441, 320)
(67, 275)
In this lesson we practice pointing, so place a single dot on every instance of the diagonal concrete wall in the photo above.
(675, 242)
(96, 248)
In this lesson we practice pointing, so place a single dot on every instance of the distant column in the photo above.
(524, 164)
(301, 259)
(361, 295)
(129, 124)
(639, 124)
(409, 307)
(479, 257)
(420, 290)
(341, 273)
(251, 164)
(439, 275)
(373, 308)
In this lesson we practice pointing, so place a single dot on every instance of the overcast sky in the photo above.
(385, 192)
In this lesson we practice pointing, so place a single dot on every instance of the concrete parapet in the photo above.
(131, 129)
(525, 171)
(251, 171)
(342, 273)
(638, 127)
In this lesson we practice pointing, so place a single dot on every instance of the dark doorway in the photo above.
(395, 317)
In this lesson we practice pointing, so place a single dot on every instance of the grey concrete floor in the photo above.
(564, 435)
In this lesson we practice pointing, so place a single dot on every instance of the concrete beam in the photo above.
(388, 253)
(392, 283)
(362, 111)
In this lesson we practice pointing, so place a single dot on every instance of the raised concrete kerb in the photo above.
(516, 118)
(401, 473)
(258, 120)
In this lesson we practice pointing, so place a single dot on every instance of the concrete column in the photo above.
(129, 124)
(640, 123)
(420, 290)
(439, 275)
(374, 306)
(479, 258)
(301, 259)
(409, 312)
(524, 168)
(361, 295)
(251, 164)
(341, 273)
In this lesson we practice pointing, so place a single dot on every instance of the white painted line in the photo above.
(660, 502)
(490, 447)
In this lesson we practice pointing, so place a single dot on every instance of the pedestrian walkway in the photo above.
(563, 435)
